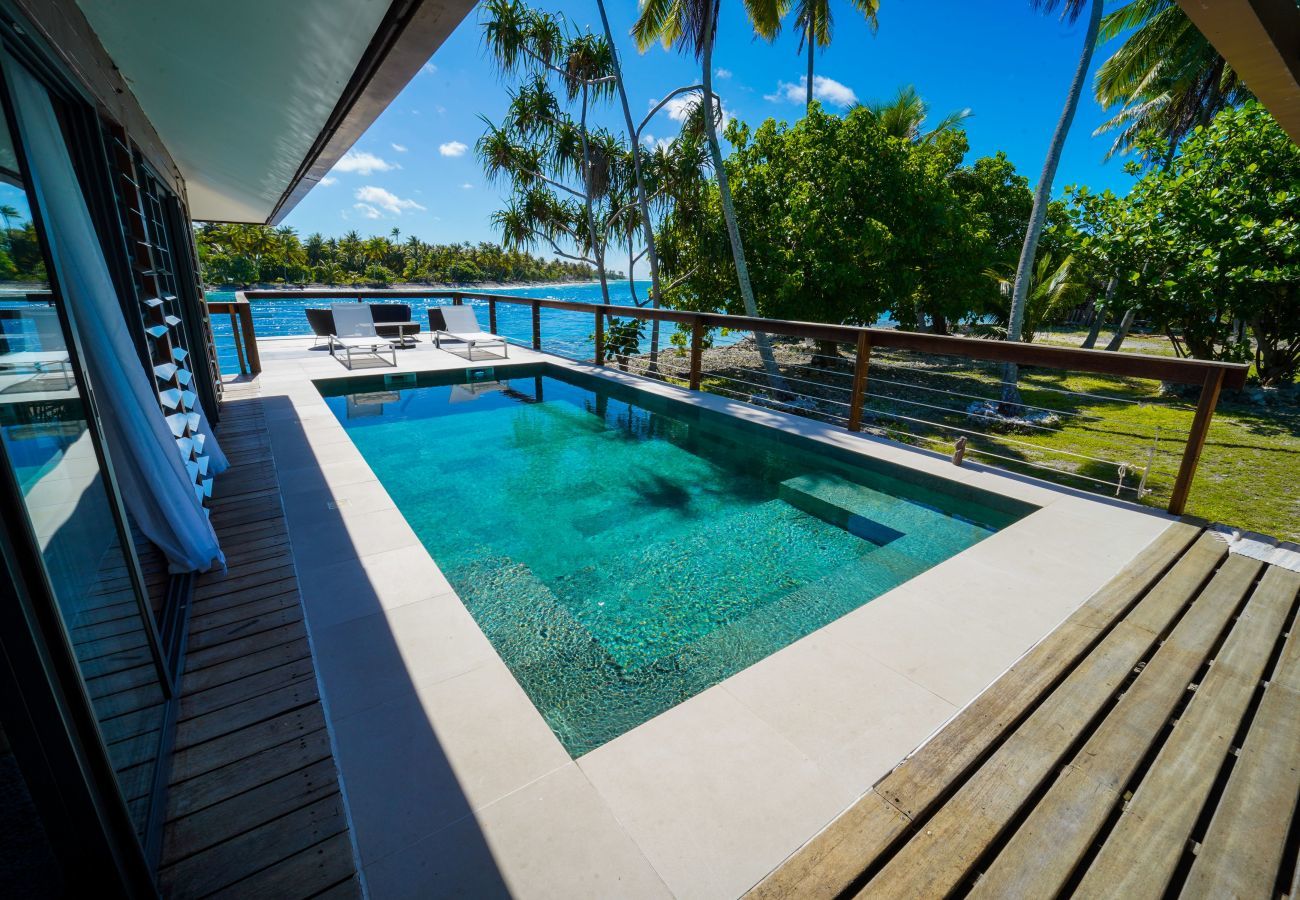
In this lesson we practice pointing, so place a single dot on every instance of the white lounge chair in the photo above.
(354, 330)
(462, 325)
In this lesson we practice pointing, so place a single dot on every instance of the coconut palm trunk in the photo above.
(647, 227)
(812, 48)
(597, 245)
(1042, 196)
(728, 209)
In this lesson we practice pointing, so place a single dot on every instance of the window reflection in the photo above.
(49, 447)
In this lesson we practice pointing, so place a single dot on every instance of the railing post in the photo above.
(250, 340)
(600, 335)
(492, 314)
(236, 333)
(537, 325)
(860, 363)
(457, 300)
(697, 352)
(1196, 440)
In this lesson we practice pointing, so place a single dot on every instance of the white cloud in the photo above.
(363, 163)
(400, 148)
(440, 109)
(429, 69)
(452, 148)
(466, 186)
(827, 90)
(722, 74)
(372, 197)
(328, 180)
(366, 210)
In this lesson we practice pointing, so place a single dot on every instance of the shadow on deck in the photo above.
(254, 806)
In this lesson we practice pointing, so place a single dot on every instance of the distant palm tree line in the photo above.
(247, 254)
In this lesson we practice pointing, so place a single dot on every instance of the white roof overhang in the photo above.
(256, 100)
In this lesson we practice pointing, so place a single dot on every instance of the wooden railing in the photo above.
(241, 328)
(1212, 377)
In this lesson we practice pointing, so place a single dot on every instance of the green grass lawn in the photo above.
(1249, 475)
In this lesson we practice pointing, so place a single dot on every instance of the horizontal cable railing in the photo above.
(941, 392)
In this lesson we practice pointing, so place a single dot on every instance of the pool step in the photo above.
(844, 504)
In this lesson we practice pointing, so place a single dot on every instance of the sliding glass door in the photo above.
(53, 462)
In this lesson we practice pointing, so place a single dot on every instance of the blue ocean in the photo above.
(565, 333)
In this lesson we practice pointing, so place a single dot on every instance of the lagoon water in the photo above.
(563, 332)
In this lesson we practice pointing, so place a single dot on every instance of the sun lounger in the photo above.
(460, 324)
(354, 331)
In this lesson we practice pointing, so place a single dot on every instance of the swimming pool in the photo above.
(623, 551)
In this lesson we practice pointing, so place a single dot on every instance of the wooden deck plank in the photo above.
(1243, 850)
(236, 814)
(914, 786)
(220, 618)
(1147, 843)
(254, 851)
(241, 689)
(829, 863)
(254, 806)
(269, 705)
(241, 647)
(190, 762)
(245, 666)
(940, 857)
(281, 617)
(316, 869)
(1045, 849)
(212, 787)
(825, 867)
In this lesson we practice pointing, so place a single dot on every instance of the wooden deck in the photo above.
(254, 807)
(1148, 747)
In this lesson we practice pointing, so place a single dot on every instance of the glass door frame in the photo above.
(60, 676)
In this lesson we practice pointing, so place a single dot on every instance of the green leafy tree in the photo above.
(1211, 239)
(846, 222)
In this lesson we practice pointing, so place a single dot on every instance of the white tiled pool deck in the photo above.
(456, 785)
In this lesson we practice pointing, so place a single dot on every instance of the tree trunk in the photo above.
(828, 354)
(1121, 331)
(647, 227)
(938, 323)
(811, 46)
(1042, 196)
(1099, 315)
(597, 245)
(728, 209)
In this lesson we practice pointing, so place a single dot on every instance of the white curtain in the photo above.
(150, 471)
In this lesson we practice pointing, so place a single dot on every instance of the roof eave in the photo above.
(1261, 40)
(409, 34)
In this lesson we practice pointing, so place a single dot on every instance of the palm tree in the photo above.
(814, 21)
(693, 24)
(642, 197)
(8, 213)
(905, 117)
(1166, 77)
(1053, 289)
(1071, 11)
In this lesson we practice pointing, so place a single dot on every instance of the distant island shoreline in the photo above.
(405, 286)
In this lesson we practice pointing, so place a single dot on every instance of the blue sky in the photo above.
(415, 168)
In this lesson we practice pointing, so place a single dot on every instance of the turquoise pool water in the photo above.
(623, 552)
